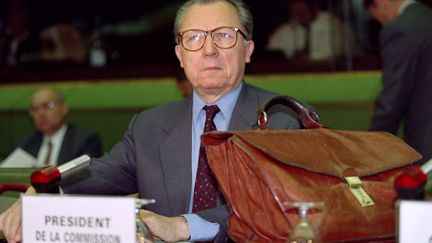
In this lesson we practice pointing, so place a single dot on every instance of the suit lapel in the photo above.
(244, 115)
(175, 153)
(67, 145)
(34, 144)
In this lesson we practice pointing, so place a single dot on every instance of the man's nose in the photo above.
(40, 112)
(209, 46)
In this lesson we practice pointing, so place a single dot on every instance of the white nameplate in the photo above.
(65, 218)
(414, 221)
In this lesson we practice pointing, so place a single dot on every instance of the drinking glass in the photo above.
(305, 219)
(143, 234)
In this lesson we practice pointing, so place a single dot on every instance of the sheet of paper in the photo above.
(414, 221)
(19, 158)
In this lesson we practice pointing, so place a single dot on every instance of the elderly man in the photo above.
(160, 155)
(406, 50)
(56, 142)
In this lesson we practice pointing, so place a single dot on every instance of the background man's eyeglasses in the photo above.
(223, 37)
(43, 107)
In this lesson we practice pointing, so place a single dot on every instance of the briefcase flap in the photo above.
(325, 151)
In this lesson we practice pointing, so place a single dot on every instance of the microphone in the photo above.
(46, 180)
(410, 184)
(427, 167)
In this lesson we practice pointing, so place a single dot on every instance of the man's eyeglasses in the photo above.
(223, 37)
(43, 107)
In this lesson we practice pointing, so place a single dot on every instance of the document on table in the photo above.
(19, 158)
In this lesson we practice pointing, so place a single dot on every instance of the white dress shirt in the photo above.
(199, 228)
(56, 143)
(405, 5)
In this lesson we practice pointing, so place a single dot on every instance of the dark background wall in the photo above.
(119, 21)
(88, 15)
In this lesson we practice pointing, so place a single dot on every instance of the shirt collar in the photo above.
(405, 5)
(226, 104)
(57, 137)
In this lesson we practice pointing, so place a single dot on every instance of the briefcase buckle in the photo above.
(356, 188)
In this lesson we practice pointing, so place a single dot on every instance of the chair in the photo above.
(13, 186)
(7, 201)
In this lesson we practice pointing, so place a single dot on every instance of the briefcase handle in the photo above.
(307, 118)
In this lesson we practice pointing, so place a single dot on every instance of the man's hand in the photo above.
(10, 220)
(10, 223)
(169, 229)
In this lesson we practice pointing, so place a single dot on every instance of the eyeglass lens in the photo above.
(223, 37)
(43, 107)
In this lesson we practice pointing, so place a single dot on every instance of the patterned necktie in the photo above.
(48, 156)
(205, 191)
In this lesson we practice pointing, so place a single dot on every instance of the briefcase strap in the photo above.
(308, 119)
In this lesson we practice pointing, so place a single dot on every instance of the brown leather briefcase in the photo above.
(352, 172)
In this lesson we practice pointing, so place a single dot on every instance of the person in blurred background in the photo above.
(18, 43)
(406, 53)
(62, 42)
(310, 34)
(56, 142)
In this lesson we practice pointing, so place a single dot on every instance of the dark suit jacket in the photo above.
(406, 96)
(154, 158)
(76, 142)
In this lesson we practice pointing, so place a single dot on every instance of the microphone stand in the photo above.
(47, 179)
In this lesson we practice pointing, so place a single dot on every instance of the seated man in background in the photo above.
(311, 34)
(56, 142)
(161, 156)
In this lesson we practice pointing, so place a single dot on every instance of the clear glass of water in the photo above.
(305, 219)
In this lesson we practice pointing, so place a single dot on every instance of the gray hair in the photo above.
(242, 10)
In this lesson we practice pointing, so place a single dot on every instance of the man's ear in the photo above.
(65, 109)
(250, 46)
(178, 54)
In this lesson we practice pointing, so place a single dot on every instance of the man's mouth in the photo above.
(212, 68)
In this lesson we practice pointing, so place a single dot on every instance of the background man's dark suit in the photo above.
(76, 142)
(154, 157)
(406, 46)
